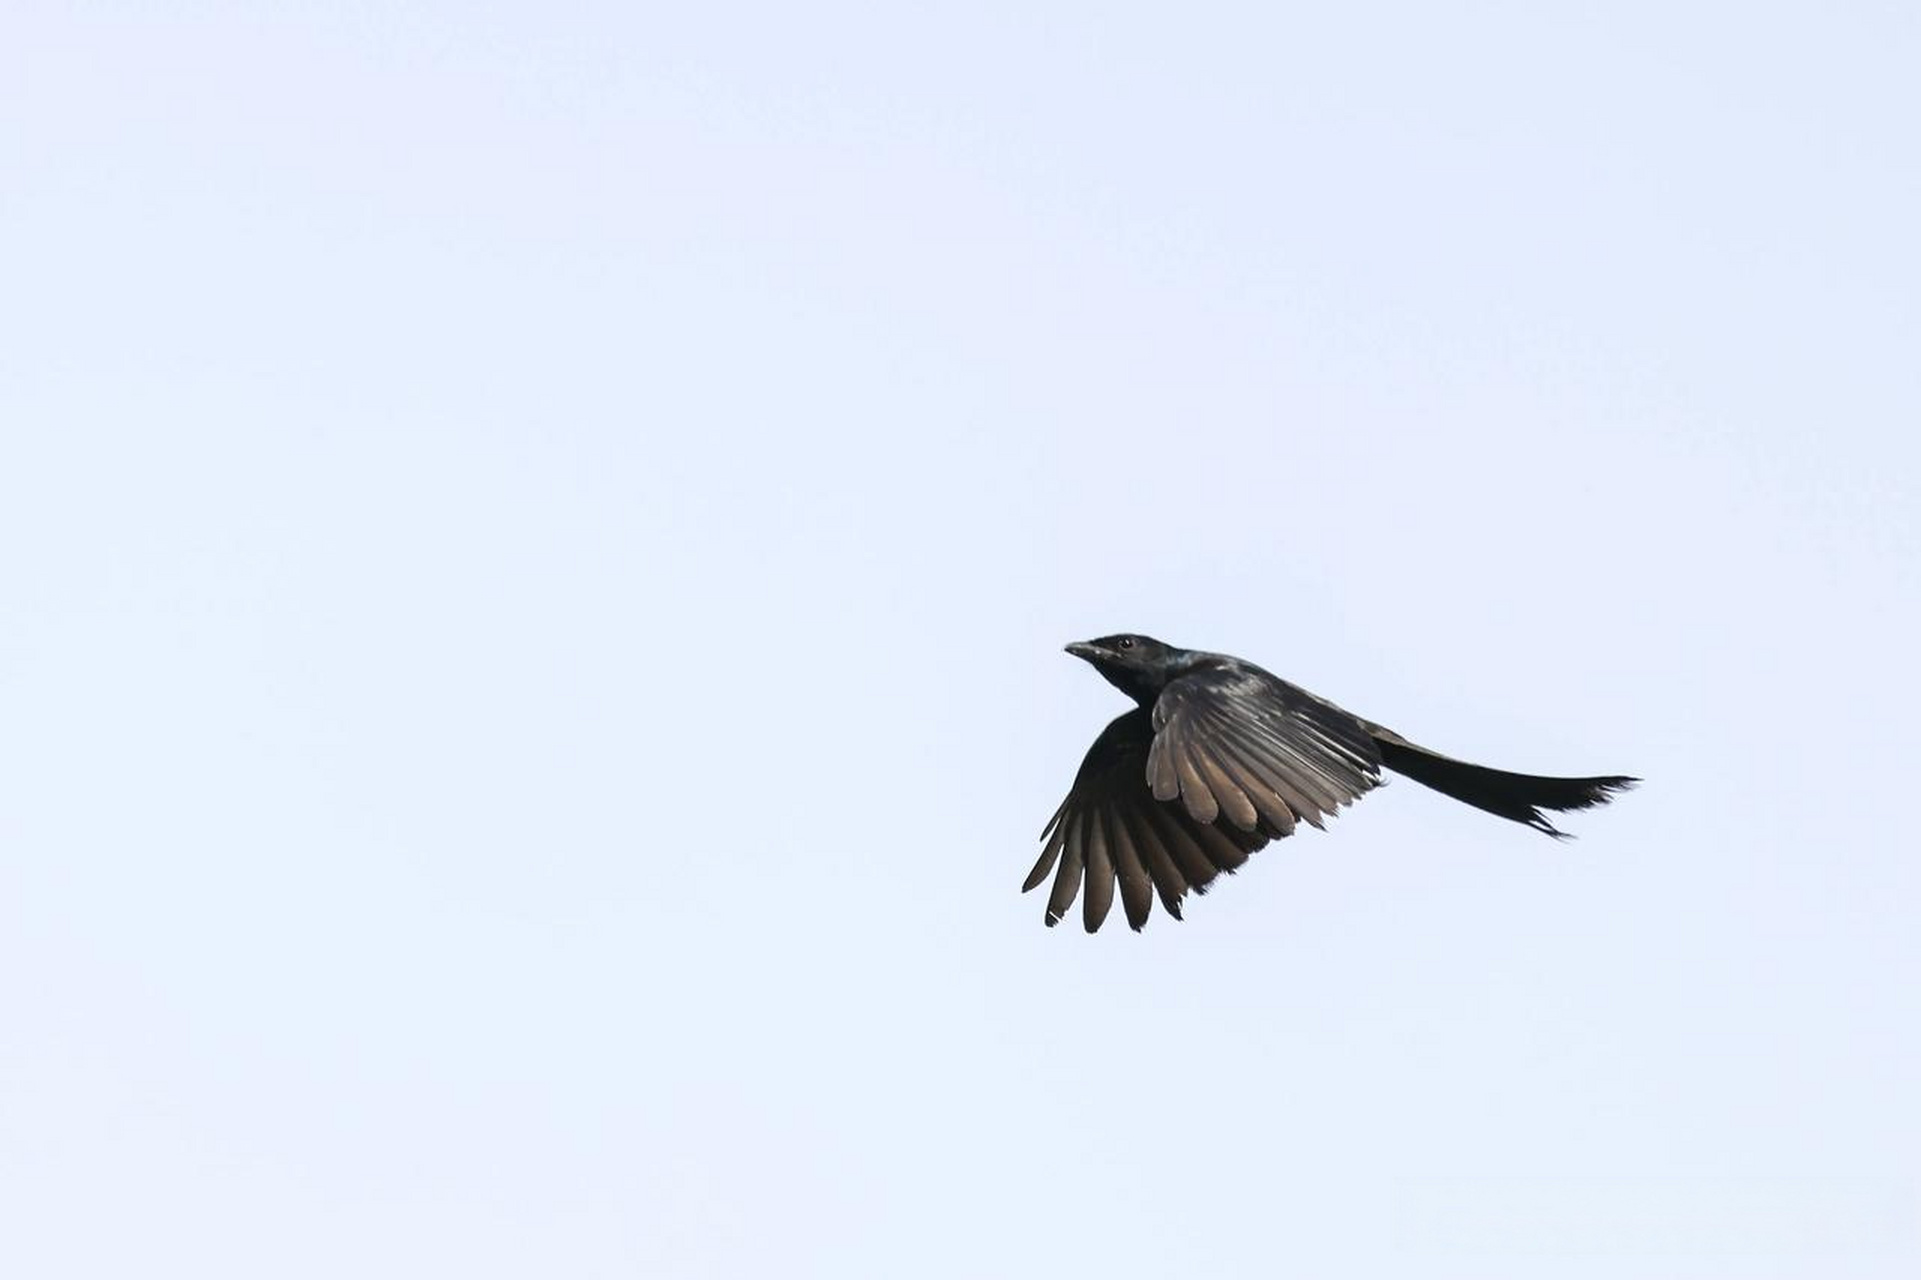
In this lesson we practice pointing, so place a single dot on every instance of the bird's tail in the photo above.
(1517, 796)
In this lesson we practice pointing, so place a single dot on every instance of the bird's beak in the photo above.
(1089, 652)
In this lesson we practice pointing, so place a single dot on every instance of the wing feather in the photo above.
(1170, 884)
(1137, 888)
(1168, 798)
(1244, 736)
(1055, 836)
(1112, 834)
(1099, 886)
(1178, 839)
(1067, 882)
(1267, 808)
(1225, 787)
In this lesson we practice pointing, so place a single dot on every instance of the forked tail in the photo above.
(1517, 796)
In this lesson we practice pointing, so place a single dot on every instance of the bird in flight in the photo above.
(1219, 757)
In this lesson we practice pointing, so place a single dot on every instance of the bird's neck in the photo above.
(1144, 687)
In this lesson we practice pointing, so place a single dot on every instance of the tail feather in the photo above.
(1519, 797)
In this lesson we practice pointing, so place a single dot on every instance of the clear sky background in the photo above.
(535, 542)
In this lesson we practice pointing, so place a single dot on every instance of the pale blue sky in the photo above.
(534, 546)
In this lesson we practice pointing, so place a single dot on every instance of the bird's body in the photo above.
(1218, 758)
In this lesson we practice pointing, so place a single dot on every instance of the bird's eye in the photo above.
(1124, 643)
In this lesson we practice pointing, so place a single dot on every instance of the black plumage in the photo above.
(1218, 758)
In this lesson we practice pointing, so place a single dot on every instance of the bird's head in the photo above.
(1139, 666)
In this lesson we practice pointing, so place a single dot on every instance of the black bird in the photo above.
(1219, 758)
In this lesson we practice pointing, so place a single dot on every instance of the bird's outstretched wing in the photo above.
(1111, 829)
(1249, 749)
(1166, 800)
